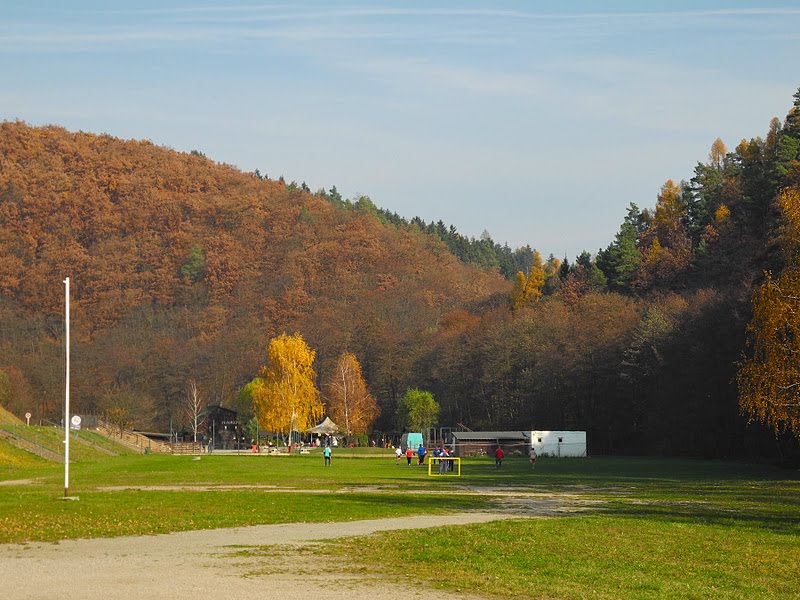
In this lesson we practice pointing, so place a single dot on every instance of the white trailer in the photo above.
(559, 443)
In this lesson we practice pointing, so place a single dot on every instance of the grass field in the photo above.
(142, 494)
(656, 529)
(666, 529)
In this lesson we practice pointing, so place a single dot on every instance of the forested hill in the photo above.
(183, 268)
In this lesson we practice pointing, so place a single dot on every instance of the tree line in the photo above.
(186, 268)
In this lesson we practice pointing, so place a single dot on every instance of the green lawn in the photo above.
(657, 529)
(667, 529)
(142, 494)
(594, 557)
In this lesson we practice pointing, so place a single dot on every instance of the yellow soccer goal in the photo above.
(450, 465)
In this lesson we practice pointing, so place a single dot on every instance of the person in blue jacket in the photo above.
(421, 453)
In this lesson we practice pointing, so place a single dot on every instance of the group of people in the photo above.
(443, 452)
(409, 454)
(421, 452)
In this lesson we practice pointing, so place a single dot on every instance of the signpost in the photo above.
(28, 419)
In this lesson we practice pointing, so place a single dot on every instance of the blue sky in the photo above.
(536, 121)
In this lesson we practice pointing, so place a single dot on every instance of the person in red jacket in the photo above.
(409, 454)
(498, 457)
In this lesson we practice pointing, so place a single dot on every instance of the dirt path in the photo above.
(204, 564)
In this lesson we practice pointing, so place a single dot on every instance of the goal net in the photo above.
(444, 466)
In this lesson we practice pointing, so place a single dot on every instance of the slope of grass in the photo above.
(95, 439)
(12, 459)
(52, 438)
(7, 418)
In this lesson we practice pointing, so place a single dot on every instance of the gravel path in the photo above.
(204, 564)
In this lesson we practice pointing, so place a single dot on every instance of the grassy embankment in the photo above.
(663, 529)
(84, 445)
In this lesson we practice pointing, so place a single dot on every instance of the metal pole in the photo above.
(66, 395)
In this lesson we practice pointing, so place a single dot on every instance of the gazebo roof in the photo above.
(327, 426)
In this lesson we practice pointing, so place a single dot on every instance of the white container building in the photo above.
(559, 443)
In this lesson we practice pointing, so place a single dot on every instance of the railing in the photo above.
(30, 446)
(134, 441)
(187, 448)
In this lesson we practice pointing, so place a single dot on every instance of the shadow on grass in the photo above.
(731, 495)
(783, 520)
(666, 478)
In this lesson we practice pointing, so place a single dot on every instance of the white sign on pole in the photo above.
(28, 418)
(75, 422)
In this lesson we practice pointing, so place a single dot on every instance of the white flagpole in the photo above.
(66, 403)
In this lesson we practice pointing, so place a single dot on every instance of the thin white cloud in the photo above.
(20, 42)
(240, 23)
(292, 12)
(420, 73)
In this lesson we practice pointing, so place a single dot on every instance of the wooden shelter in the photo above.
(484, 443)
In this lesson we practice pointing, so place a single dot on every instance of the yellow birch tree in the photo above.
(286, 397)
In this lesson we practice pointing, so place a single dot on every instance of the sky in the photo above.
(537, 122)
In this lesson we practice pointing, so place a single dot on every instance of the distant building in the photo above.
(222, 427)
(546, 443)
(484, 443)
(559, 443)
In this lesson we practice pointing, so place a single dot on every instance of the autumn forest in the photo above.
(680, 337)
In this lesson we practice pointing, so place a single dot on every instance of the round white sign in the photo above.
(28, 415)
(75, 420)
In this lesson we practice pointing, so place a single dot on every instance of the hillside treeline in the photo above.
(482, 252)
(184, 268)
(640, 345)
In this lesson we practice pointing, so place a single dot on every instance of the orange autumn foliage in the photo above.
(182, 265)
(769, 378)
